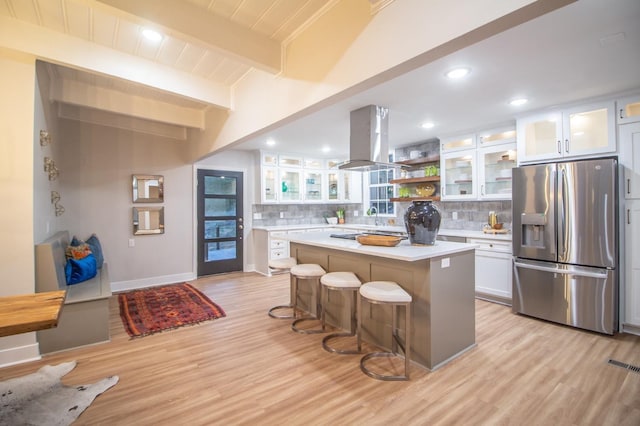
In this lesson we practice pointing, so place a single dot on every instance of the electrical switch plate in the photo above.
(281, 215)
(355, 212)
(445, 263)
(454, 215)
(132, 242)
(257, 215)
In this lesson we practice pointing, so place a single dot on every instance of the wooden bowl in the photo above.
(497, 226)
(378, 240)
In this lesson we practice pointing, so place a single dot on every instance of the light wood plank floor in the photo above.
(247, 368)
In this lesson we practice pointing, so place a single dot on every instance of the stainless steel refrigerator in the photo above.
(565, 243)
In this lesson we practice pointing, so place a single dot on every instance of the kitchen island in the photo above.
(439, 278)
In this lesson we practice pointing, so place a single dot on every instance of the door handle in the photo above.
(628, 186)
(621, 114)
(240, 226)
(559, 147)
(566, 145)
(628, 216)
(568, 271)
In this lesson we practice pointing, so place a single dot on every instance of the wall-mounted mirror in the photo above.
(148, 220)
(148, 189)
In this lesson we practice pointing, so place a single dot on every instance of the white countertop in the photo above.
(465, 233)
(403, 251)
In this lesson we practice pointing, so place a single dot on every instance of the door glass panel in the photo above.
(333, 186)
(270, 159)
(459, 175)
(219, 185)
(219, 207)
(497, 172)
(346, 186)
(464, 142)
(632, 109)
(270, 185)
(220, 250)
(589, 129)
(313, 186)
(219, 229)
(290, 186)
(290, 161)
(541, 137)
(312, 163)
(498, 137)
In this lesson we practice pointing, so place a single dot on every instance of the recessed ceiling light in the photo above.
(428, 125)
(519, 101)
(271, 142)
(457, 73)
(151, 35)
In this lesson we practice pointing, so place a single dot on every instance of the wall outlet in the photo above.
(445, 263)
(454, 215)
(132, 242)
(257, 216)
(355, 213)
(281, 215)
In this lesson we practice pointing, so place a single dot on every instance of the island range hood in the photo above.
(369, 140)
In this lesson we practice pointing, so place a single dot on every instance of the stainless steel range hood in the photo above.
(369, 140)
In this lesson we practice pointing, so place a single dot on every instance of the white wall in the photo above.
(17, 82)
(96, 168)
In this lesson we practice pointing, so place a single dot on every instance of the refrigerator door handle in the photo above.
(568, 271)
(562, 247)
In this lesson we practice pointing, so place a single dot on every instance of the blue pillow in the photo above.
(96, 249)
(79, 270)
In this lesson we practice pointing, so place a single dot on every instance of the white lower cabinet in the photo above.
(268, 246)
(632, 267)
(493, 269)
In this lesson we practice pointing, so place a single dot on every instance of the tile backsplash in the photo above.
(471, 215)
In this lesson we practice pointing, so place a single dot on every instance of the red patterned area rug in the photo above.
(156, 309)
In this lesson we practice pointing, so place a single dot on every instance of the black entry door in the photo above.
(220, 222)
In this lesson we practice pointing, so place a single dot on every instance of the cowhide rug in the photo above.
(41, 399)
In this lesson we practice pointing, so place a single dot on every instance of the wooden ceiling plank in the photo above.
(206, 28)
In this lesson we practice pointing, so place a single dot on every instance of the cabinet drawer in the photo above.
(278, 244)
(278, 253)
(491, 245)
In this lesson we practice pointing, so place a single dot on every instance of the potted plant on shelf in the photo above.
(340, 215)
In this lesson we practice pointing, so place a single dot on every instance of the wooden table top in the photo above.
(30, 312)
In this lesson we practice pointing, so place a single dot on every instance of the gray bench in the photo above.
(84, 319)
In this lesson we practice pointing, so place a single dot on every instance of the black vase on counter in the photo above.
(422, 220)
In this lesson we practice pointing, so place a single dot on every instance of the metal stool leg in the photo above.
(352, 332)
(295, 323)
(272, 312)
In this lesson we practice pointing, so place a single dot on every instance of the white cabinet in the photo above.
(628, 109)
(482, 172)
(292, 179)
(630, 159)
(580, 131)
(494, 171)
(268, 246)
(632, 266)
(493, 269)
(458, 175)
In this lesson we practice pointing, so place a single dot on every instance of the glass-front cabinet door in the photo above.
(494, 168)
(313, 190)
(290, 185)
(628, 109)
(333, 179)
(497, 136)
(458, 175)
(269, 184)
(589, 129)
(458, 143)
(539, 137)
(351, 188)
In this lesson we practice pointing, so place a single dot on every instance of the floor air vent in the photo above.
(624, 365)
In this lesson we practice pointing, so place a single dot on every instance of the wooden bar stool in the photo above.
(312, 272)
(387, 293)
(282, 264)
(339, 281)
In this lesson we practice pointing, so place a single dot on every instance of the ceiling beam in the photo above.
(100, 98)
(203, 27)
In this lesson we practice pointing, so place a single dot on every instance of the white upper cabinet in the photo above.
(574, 132)
(630, 159)
(288, 179)
(628, 109)
(494, 171)
(458, 175)
(458, 143)
(497, 136)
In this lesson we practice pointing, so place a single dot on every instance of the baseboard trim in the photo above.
(119, 286)
(631, 329)
(19, 355)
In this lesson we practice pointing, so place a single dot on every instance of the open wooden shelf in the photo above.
(420, 179)
(419, 161)
(409, 199)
